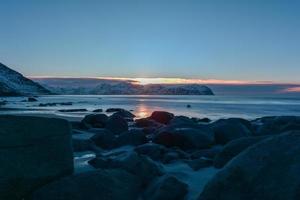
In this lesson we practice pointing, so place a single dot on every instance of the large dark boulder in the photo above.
(166, 188)
(267, 170)
(230, 129)
(276, 125)
(132, 137)
(162, 117)
(95, 121)
(116, 124)
(146, 122)
(184, 138)
(33, 151)
(152, 150)
(95, 185)
(233, 148)
(139, 165)
(103, 138)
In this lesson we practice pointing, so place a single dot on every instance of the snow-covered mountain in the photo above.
(125, 87)
(13, 83)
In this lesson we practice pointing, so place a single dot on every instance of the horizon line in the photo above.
(174, 80)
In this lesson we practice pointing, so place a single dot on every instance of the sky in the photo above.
(232, 40)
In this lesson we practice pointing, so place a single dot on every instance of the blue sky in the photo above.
(228, 40)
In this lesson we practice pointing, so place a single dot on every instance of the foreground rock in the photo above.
(100, 184)
(185, 138)
(33, 151)
(233, 148)
(132, 137)
(162, 117)
(116, 124)
(94, 121)
(266, 170)
(230, 129)
(139, 165)
(166, 187)
(276, 125)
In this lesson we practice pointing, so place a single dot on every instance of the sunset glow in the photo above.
(292, 89)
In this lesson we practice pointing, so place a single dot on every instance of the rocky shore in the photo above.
(161, 157)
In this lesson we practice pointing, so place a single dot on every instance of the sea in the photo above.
(213, 107)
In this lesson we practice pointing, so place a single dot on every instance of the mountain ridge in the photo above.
(13, 83)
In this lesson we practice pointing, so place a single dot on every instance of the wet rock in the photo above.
(33, 151)
(132, 137)
(82, 142)
(184, 138)
(139, 165)
(170, 157)
(162, 117)
(229, 129)
(125, 114)
(276, 125)
(152, 150)
(145, 122)
(233, 148)
(98, 110)
(31, 99)
(95, 121)
(116, 124)
(266, 170)
(103, 138)
(166, 187)
(109, 110)
(207, 153)
(95, 185)
(199, 163)
(181, 121)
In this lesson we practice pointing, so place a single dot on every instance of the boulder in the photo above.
(82, 142)
(125, 114)
(207, 153)
(276, 125)
(162, 117)
(146, 122)
(98, 110)
(152, 150)
(94, 185)
(139, 165)
(33, 151)
(116, 124)
(233, 148)
(184, 138)
(267, 170)
(95, 120)
(31, 99)
(132, 137)
(109, 110)
(230, 129)
(166, 187)
(199, 163)
(103, 138)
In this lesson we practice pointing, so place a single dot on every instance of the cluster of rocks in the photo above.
(250, 154)
(257, 159)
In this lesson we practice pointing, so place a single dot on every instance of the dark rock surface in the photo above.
(230, 129)
(233, 148)
(132, 137)
(166, 188)
(266, 170)
(33, 151)
(116, 124)
(99, 184)
(139, 165)
(185, 138)
(103, 138)
(162, 117)
(95, 121)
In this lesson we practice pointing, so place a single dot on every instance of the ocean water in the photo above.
(213, 107)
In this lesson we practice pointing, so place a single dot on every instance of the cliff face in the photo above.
(13, 83)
